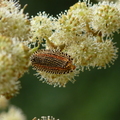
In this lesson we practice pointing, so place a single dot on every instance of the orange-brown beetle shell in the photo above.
(52, 61)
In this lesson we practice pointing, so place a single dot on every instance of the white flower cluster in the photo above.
(85, 31)
(45, 118)
(13, 23)
(14, 55)
(12, 114)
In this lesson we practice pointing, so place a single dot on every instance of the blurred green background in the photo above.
(94, 96)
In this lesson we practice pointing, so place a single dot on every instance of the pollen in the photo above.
(52, 61)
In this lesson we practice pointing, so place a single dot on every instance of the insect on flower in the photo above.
(52, 61)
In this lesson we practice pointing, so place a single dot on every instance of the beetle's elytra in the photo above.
(52, 61)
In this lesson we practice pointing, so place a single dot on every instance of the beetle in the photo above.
(52, 61)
